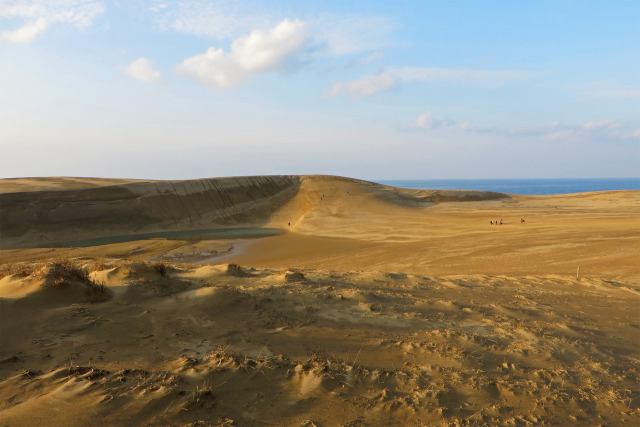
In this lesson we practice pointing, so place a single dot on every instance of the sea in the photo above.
(521, 186)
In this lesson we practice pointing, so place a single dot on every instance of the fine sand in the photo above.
(373, 306)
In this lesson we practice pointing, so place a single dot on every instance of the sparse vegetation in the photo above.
(71, 271)
(60, 282)
(236, 270)
(22, 268)
(161, 268)
(66, 271)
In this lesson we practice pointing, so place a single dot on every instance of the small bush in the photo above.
(66, 271)
(235, 270)
(96, 291)
(161, 268)
(73, 272)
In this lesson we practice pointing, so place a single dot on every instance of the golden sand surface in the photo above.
(375, 306)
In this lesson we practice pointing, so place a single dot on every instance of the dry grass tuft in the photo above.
(22, 269)
(67, 271)
(160, 267)
(236, 271)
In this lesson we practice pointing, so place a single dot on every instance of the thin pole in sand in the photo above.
(578, 273)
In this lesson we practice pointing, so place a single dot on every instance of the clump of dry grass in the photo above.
(160, 267)
(71, 271)
(294, 276)
(66, 271)
(236, 270)
(22, 268)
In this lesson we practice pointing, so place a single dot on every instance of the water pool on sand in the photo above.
(208, 234)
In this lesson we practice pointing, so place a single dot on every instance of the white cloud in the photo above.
(332, 33)
(412, 74)
(350, 34)
(465, 75)
(599, 131)
(219, 20)
(427, 121)
(142, 69)
(27, 33)
(608, 89)
(375, 56)
(603, 124)
(259, 52)
(424, 120)
(603, 130)
(42, 15)
(362, 87)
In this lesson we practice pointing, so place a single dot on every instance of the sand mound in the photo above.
(335, 349)
(58, 282)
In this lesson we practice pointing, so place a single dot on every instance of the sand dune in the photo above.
(376, 306)
(34, 218)
(92, 207)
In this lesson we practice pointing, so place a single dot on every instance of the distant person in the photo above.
(500, 221)
(491, 222)
(289, 224)
(522, 220)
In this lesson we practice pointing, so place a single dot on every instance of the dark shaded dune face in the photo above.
(41, 217)
(19, 185)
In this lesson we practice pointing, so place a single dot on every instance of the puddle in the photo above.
(209, 234)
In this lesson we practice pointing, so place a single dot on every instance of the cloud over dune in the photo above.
(258, 52)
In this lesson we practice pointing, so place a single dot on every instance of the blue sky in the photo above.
(372, 90)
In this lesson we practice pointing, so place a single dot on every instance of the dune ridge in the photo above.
(110, 207)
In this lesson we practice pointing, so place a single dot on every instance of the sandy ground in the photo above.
(377, 306)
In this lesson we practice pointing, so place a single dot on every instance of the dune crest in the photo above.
(113, 208)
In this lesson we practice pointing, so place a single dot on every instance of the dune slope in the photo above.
(49, 216)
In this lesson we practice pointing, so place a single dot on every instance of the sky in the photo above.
(366, 89)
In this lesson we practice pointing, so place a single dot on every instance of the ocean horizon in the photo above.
(545, 186)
